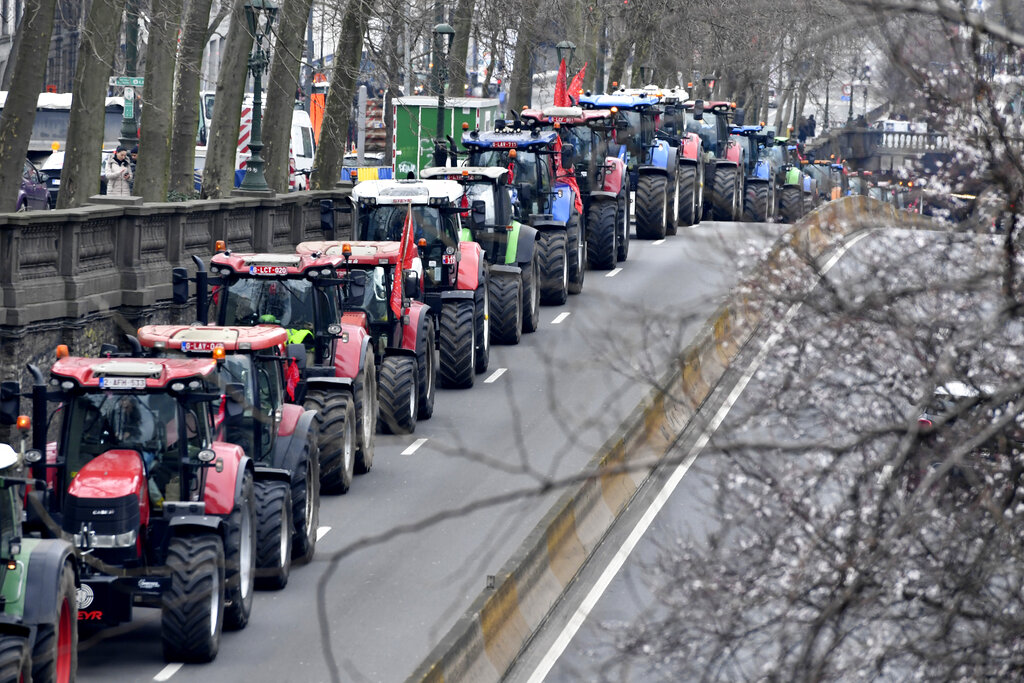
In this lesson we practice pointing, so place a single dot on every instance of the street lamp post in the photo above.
(565, 51)
(443, 35)
(129, 129)
(259, 15)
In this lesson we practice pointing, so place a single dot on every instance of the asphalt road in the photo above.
(618, 588)
(375, 600)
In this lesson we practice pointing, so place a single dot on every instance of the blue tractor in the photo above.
(759, 171)
(542, 198)
(651, 161)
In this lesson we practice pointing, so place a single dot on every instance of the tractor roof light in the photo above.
(219, 353)
(346, 250)
(465, 125)
(220, 246)
(62, 351)
(511, 154)
(24, 422)
(615, 110)
(422, 242)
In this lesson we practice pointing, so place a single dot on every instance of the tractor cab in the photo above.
(715, 124)
(639, 112)
(487, 219)
(591, 132)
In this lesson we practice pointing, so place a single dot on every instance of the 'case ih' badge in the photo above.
(448, 259)
(199, 345)
(268, 270)
(122, 382)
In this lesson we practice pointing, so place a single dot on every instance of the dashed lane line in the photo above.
(657, 242)
(321, 531)
(560, 317)
(168, 671)
(613, 272)
(495, 375)
(414, 446)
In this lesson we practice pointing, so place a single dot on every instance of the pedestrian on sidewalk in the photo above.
(118, 171)
(812, 126)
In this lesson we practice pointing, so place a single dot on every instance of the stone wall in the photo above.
(85, 277)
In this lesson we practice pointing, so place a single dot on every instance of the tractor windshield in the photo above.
(154, 425)
(384, 223)
(366, 290)
(253, 301)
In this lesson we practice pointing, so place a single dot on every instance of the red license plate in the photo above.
(268, 270)
(199, 345)
(448, 259)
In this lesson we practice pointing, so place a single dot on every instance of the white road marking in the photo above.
(321, 531)
(560, 317)
(495, 375)
(657, 242)
(168, 671)
(613, 272)
(414, 446)
(619, 559)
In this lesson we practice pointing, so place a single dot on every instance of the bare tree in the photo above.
(186, 97)
(153, 169)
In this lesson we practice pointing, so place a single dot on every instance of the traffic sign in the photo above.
(134, 81)
(129, 103)
(847, 88)
(845, 98)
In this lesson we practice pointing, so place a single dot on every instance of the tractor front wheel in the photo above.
(273, 534)
(651, 207)
(240, 558)
(755, 205)
(458, 344)
(601, 228)
(193, 607)
(365, 395)
(482, 322)
(55, 651)
(506, 307)
(622, 226)
(723, 204)
(577, 252)
(14, 660)
(791, 203)
(398, 394)
(554, 266)
(672, 212)
(687, 195)
(426, 368)
(335, 423)
(531, 294)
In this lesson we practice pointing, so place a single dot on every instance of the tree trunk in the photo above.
(522, 68)
(153, 168)
(80, 176)
(462, 22)
(219, 171)
(20, 109)
(338, 111)
(186, 97)
(618, 67)
(281, 89)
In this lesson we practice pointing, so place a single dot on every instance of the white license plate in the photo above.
(268, 270)
(448, 259)
(122, 382)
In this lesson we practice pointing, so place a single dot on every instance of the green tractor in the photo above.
(40, 594)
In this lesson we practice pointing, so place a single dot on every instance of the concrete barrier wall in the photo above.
(486, 640)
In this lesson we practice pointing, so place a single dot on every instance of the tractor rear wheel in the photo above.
(687, 195)
(240, 558)
(192, 611)
(335, 424)
(426, 368)
(305, 497)
(14, 661)
(531, 294)
(623, 227)
(672, 212)
(651, 207)
(791, 203)
(273, 534)
(577, 252)
(482, 321)
(365, 395)
(506, 307)
(458, 344)
(723, 205)
(398, 394)
(755, 205)
(601, 228)
(55, 651)
(554, 266)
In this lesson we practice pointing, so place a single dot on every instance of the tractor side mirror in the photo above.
(10, 395)
(698, 110)
(179, 285)
(234, 401)
(568, 152)
(478, 212)
(411, 282)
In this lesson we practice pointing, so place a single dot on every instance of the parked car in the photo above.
(33, 194)
(52, 166)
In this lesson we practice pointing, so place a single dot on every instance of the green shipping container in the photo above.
(416, 123)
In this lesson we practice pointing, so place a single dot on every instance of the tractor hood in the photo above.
(113, 474)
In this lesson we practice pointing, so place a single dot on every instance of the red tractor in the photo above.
(161, 511)
(279, 437)
(407, 374)
(300, 294)
(725, 162)
(601, 176)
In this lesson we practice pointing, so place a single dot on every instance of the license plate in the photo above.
(448, 259)
(199, 346)
(504, 144)
(122, 382)
(268, 270)
(55, 181)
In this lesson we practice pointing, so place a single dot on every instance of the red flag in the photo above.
(567, 175)
(405, 256)
(291, 375)
(577, 84)
(561, 96)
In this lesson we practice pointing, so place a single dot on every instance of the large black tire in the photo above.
(576, 250)
(398, 394)
(14, 660)
(622, 227)
(240, 558)
(601, 235)
(365, 393)
(791, 203)
(305, 498)
(651, 207)
(482, 322)
(55, 651)
(193, 607)
(755, 203)
(723, 205)
(553, 261)
(274, 530)
(458, 345)
(531, 294)
(336, 436)
(688, 202)
(506, 294)
(672, 211)
(426, 368)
